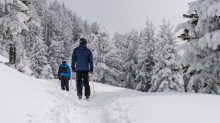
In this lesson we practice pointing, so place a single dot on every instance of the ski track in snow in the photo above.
(66, 108)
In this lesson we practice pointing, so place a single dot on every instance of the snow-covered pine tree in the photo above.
(145, 57)
(185, 37)
(13, 20)
(95, 28)
(88, 31)
(100, 47)
(44, 14)
(202, 53)
(34, 32)
(165, 74)
(56, 54)
(131, 60)
(78, 27)
(56, 36)
(87, 27)
(66, 34)
(120, 42)
(38, 57)
(113, 71)
(113, 60)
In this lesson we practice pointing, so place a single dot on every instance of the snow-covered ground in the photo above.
(3, 59)
(27, 100)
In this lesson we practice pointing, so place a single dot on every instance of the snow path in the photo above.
(103, 107)
(119, 105)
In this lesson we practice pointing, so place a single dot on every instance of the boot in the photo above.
(87, 97)
(80, 97)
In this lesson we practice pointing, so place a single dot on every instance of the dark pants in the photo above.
(80, 74)
(64, 83)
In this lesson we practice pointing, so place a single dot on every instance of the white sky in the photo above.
(125, 15)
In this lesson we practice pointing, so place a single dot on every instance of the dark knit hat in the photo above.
(82, 41)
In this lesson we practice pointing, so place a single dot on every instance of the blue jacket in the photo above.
(82, 57)
(64, 70)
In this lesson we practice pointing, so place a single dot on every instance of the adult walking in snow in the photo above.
(64, 74)
(82, 57)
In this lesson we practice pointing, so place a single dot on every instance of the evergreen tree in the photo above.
(34, 31)
(56, 54)
(95, 28)
(78, 27)
(186, 37)
(202, 50)
(38, 57)
(131, 60)
(145, 57)
(88, 31)
(113, 61)
(44, 15)
(14, 19)
(66, 34)
(118, 53)
(59, 31)
(100, 47)
(165, 72)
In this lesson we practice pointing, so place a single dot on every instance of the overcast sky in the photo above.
(125, 15)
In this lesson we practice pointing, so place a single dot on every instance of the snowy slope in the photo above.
(3, 59)
(26, 100)
(22, 97)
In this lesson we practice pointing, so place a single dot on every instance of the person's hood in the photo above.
(82, 46)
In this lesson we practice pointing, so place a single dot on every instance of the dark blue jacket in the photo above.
(64, 70)
(82, 57)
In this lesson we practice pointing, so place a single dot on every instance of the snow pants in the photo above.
(82, 74)
(64, 83)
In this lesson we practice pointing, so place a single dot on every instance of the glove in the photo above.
(73, 69)
(91, 70)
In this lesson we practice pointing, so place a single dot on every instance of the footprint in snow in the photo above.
(29, 115)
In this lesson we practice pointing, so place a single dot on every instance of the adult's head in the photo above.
(82, 41)
(63, 61)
